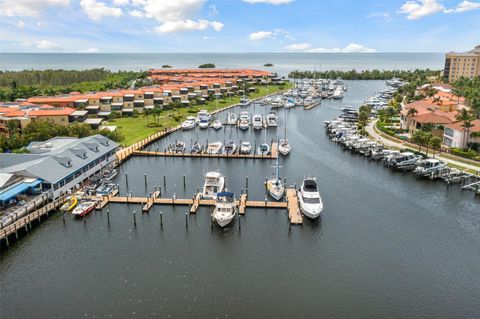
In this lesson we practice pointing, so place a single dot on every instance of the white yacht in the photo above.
(290, 103)
(338, 93)
(309, 198)
(203, 124)
(232, 118)
(225, 208)
(217, 124)
(214, 184)
(284, 147)
(230, 148)
(214, 148)
(203, 115)
(275, 186)
(272, 119)
(244, 123)
(429, 166)
(189, 123)
(405, 159)
(245, 148)
(257, 122)
(244, 101)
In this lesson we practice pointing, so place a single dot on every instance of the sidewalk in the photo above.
(373, 133)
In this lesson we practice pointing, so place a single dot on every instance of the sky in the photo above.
(239, 25)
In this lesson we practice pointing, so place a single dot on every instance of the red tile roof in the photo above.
(53, 111)
(458, 126)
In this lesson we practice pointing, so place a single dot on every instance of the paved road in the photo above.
(370, 129)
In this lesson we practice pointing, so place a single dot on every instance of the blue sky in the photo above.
(238, 25)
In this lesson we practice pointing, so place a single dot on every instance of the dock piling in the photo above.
(186, 220)
(184, 183)
(164, 181)
(145, 178)
(246, 182)
(126, 179)
(134, 219)
(161, 220)
(108, 217)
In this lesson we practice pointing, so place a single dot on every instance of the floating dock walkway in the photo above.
(291, 205)
(273, 154)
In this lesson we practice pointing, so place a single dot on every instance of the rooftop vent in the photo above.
(80, 152)
(64, 160)
(91, 146)
(102, 140)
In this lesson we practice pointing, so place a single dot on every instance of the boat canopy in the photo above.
(225, 194)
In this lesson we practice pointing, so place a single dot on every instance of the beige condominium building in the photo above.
(459, 65)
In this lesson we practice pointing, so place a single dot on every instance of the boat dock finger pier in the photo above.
(291, 205)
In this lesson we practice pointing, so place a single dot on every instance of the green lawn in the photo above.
(137, 128)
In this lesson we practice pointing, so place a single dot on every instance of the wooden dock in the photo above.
(273, 155)
(293, 209)
(311, 105)
(25, 222)
(196, 201)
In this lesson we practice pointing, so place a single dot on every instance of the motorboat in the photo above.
(429, 166)
(70, 204)
(196, 148)
(180, 147)
(243, 125)
(105, 189)
(214, 148)
(245, 147)
(309, 198)
(244, 101)
(189, 123)
(203, 115)
(405, 160)
(257, 122)
(214, 184)
(225, 208)
(84, 208)
(109, 174)
(308, 101)
(263, 149)
(231, 118)
(272, 119)
(275, 186)
(338, 93)
(217, 124)
(284, 147)
(230, 148)
(289, 103)
(203, 124)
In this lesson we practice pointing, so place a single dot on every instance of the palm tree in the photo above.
(435, 144)
(147, 113)
(466, 118)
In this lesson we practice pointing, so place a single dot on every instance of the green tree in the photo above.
(466, 118)
(435, 144)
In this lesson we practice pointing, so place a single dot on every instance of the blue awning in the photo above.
(18, 189)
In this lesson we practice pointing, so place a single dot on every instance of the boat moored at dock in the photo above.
(309, 198)
(84, 208)
(214, 184)
(225, 208)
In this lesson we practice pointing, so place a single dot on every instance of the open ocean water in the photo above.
(283, 62)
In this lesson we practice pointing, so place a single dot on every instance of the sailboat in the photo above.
(275, 187)
(284, 146)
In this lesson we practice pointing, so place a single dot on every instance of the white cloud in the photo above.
(41, 24)
(464, 6)
(46, 45)
(187, 25)
(121, 2)
(298, 47)
(260, 35)
(136, 14)
(350, 48)
(275, 2)
(28, 8)
(417, 9)
(21, 24)
(175, 15)
(385, 15)
(97, 10)
(91, 50)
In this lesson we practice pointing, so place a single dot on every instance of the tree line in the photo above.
(405, 75)
(43, 130)
(28, 83)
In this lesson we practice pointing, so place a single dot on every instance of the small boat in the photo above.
(105, 189)
(203, 115)
(225, 208)
(284, 147)
(289, 103)
(263, 149)
(244, 102)
(429, 166)
(243, 125)
(189, 123)
(309, 198)
(217, 125)
(230, 148)
(180, 147)
(203, 124)
(245, 148)
(84, 208)
(231, 118)
(214, 148)
(214, 184)
(109, 174)
(69, 204)
(275, 186)
(196, 148)
(272, 119)
(405, 160)
(257, 122)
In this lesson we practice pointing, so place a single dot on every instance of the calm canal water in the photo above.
(389, 245)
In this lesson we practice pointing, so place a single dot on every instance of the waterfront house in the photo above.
(455, 135)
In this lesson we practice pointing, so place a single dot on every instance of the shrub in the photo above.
(470, 154)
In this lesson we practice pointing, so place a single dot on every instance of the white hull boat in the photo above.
(309, 198)
(257, 122)
(214, 148)
(225, 209)
(214, 184)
